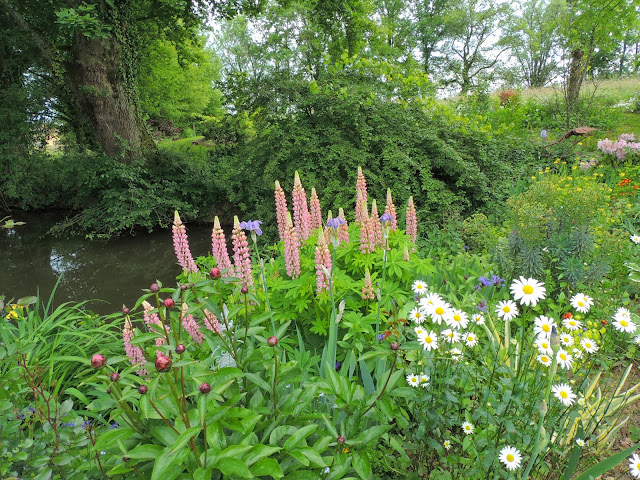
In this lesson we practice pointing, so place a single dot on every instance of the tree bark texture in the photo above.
(101, 81)
(574, 82)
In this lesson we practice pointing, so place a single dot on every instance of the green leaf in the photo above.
(369, 435)
(299, 435)
(184, 438)
(233, 466)
(606, 465)
(146, 452)
(267, 466)
(259, 452)
(255, 379)
(62, 459)
(362, 465)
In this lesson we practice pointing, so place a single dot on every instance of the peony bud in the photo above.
(183, 287)
(205, 388)
(163, 363)
(272, 341)
(98, 361)
(244, 290)
(341, 440)
(169, 303)
(115, 376)
(215, 273)
(394, 346)
(142, 389)
(180, 349)
(125, 311)
(155, 288)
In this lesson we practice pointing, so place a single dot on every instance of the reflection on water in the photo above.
(112, 272)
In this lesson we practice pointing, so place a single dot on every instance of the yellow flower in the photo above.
(575, 167)
(579, 143)
(564, 163)
(579, 189)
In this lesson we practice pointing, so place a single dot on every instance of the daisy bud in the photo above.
(272, 341)
(205, 388)
(163, 363)
(115, 376)
(98, 361)
(180, 349)
(142, 389)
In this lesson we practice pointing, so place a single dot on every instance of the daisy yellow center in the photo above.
(563, 394)
(581, 304)
(419, 287)
(414, 379)
(469, 338)
(587, 344)
(506, 309)
(456, 317)
(439, 311)
(563, 356)
(451, 335)
(418, 314)
(428, 340)
(467, 427)
(527, 289)
(510, 457)
(572, 323)
(623, 323)
(546, 328)
(545, 359)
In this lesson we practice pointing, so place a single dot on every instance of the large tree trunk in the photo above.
(100, 77)
(574, 82)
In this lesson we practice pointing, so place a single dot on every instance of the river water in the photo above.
(110, 273)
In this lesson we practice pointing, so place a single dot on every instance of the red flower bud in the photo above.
(98, 361)
(183, 287)
(125, 311)
(142, 389)
(215, 273)
(169, 303)
(154, 287)
(272, 341)
(244, 290)
(180, 349)
(394, 346)
(163, 363)
(341, 440)
(115, 376)
(205, 388)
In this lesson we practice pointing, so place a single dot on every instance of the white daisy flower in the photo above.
(429, 300)
(413, 380)
(626, 326)
(577, 353)
(564, 393)
(634, 465)
(565, 339)
(477, 318)
(622, 313)
(581, 302)
(528, 291)
(543, 326)
(589, 345)
(507, 310)
(429, 341)
(420, 331)
(450, 336)
(418, 315)
(580, 442)
(572, 324)
(544, 359)
(564, 359)
(511, 457)
(470, 339)
(467, 428)
(635, 239)
(438, 311)
(456, 354)
(424, 380)
(446, 444)
(419, 287)
(456, 318)
(543, 345)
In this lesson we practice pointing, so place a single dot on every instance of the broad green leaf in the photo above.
(606, 465)
(259, 452)
(369, 435)
(299, 435)
(255, 379)
(233, 467)
(62, 459)
(267, 466)
(362, 465)
(146, 452)
(184, 438)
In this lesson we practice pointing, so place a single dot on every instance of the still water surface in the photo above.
(111, 272)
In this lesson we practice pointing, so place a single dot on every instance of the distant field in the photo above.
(623, 87)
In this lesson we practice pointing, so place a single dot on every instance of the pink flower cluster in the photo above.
(625, 144)
(376, 226)
(181, 245)
(316, 214)
(367, 233)
(219, 247)
(241, 257)
(151, 318)
(281, 210)
(135, 353)
(412, 220)
(211, 322)
(391, 210)
(190, 325)
(367, 288)
(291, 249)
(323, 262)
(301, 216)
(343, 230)
(361, 196)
